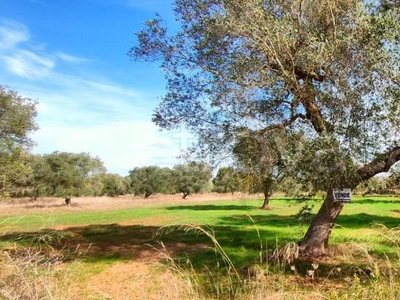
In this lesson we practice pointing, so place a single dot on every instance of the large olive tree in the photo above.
(326, 68)
(17, 121)
(65, 174)
(150, 180)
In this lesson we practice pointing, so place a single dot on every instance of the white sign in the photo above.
(342, 195)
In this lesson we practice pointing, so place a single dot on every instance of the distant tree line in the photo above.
(261, 165)
(64, 174)
(190, 178)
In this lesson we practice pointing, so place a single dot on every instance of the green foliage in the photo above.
(150, 180)
(263, 160)
(378, 186)
(390, 184)
(315, 67)
(191, 178)
(187, 179)
(114, 185)
(304, 216)
(326, 71)
(226, 181)
(16, 123)
(64, 174)
(17, 120)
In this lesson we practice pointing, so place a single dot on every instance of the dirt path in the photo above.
(136, 280)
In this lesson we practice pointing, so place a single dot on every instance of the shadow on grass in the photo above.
(127, 242)
(372, 200)
(363, 220)
(213, 207)
(255, 205)
(354, 221)
(241, 236)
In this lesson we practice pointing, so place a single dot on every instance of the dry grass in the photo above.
(47, 205)
(31, 273)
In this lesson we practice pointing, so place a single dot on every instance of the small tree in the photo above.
(191, 178)
(263, 160)
(150, 180)
(114, 185)
(227, 180)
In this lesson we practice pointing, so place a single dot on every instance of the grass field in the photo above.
(207, 247)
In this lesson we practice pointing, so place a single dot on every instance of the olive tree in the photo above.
(66, 174)
(193, 177)
(326, 68)
(114, 185)
(227, 180)
(17, 116)
(263, 161)
(150, 180)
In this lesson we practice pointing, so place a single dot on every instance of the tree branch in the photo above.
(382, 163)
(282, 125)
(301, 74)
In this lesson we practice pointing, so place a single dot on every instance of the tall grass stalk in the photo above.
(37, 271)
(229, 284)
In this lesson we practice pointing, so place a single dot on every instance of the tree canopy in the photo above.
(192, 177)
(17, 121)
(150, 180)
(114, 185)
(65, 174)
(263, 161)
(326, 69)
(227, 180)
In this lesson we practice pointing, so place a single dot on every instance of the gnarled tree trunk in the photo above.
(315, 242)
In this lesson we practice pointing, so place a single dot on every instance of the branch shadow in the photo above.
(360, 220)
(213, 207)
(371, 200)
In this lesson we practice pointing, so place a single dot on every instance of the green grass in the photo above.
(247, 235)
(234, 221)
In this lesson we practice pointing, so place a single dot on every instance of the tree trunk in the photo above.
(185, 194)
(147, 195)
(67, 201)
(315, 241)
(266, 201)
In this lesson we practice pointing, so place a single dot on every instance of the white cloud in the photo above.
(12, 33)
(28, 60)
(109, 88)
(121, 145)
(70, 58)
(84, 113)
(28, 64)
(104, 119)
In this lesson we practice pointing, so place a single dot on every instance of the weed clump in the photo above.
(36, 271)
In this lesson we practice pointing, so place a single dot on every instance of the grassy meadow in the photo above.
(209, 249)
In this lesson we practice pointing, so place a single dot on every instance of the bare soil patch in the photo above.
(136, 280)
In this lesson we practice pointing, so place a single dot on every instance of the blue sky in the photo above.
(70, 55)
